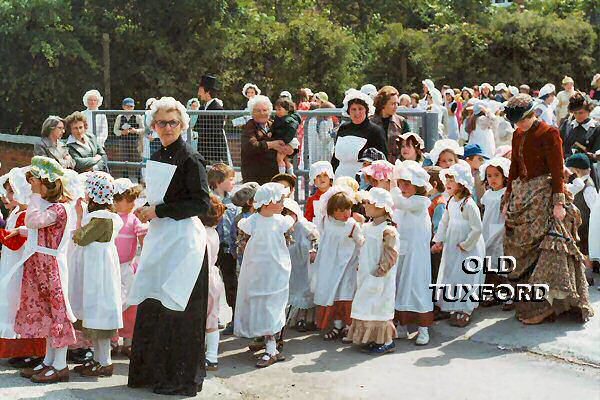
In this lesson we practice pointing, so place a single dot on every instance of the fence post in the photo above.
(430, 126)
(94, 122)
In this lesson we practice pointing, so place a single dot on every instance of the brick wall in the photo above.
(15, 151)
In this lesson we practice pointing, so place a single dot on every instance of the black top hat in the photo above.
(209, 82)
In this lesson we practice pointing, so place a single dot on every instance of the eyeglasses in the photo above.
(172, 123)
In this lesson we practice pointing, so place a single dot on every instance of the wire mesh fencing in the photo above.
(216, 134)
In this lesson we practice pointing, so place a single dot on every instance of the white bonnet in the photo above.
(91, 93)
(348, 182)
(352, 94)
(320, 167)
(285, 93)
(18, 182)
(461, 173)
(595, 114)
(486, 85)
(150, 101)
(248, 86)
(501, 151)
(513, 90)
(381, 198)
(291, 205)
(418, 138)
(502, 162)
(445, 144)
(413, 172)
(333, 191)
(3, 180)
(429, 84)
(369, 89)
(500, 86)
(547, 89)
(122, 185)
(75, 183)
(436, 96)
(170, 103)
(268, 193)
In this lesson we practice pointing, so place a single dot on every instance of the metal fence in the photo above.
(130, 140)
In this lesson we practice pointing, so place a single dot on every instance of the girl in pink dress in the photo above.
(44, 310)
(132, 233)
(215, 283)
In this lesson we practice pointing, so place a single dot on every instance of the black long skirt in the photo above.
(168, 346)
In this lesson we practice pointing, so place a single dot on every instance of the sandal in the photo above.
(462, 319)
(538, 319)
(333, 334)
(300, 326)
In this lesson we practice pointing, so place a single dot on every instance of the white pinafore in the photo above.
(334, 270)
(10, 292)
(375, 296)
(346, 151)
(95, 284)
(414, 256)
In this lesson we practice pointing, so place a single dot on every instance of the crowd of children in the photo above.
(357, 263)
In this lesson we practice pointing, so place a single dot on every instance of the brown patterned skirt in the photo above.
(545, 250)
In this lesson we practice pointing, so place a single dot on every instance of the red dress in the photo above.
(19, 347)
(42, 311)
(309, 212)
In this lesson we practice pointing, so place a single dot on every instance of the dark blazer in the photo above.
(84, 154)
(59, 152)
(259, 164)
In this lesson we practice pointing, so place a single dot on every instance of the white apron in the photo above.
(334, 270)
(414, 258)
(594, 235)
(374, 298)
(95, 285)
(300, 293)
(173, 251)
(483, 135)
(263, 285)
(493, 224)
(346, 151)
(451, 271)
(10, 291)
(30, 248)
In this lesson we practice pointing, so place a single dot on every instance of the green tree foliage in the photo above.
(51, 51)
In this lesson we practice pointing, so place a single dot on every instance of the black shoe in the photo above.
(80, 356)
(188, 390)
(24, 362)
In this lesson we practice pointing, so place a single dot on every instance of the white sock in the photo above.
(50, 353)
(271, 347)
(423, 329)
(60, 358)
(337, 324)
(282, 169)
(102, 352)
(212, 347)
(388, 343)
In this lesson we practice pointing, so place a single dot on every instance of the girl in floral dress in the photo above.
(44, 310)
